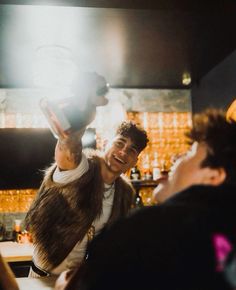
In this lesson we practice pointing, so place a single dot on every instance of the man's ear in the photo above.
(216, 176)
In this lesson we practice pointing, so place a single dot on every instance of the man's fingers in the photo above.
(100, 101)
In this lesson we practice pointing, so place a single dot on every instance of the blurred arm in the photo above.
(7, 278)
(68, 151)
(162, 192)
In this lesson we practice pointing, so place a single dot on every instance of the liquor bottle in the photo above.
(164, 170)
(65, 116)
(16, 230)
(8, 222)
(155, 167)
(135, 173)
(73, 113)
(138, 203)
(147, 174)
(2, 231)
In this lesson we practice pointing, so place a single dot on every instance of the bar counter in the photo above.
(36, 283)
(16, 252)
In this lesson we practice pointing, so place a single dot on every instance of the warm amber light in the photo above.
(166, 132)
(231, 112)
(16, 200)
(186, 79)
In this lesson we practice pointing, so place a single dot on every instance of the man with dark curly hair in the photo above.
(80, 194)
(187, 242)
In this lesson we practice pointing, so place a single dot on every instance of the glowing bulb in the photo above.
(186, 79)
(53, 67)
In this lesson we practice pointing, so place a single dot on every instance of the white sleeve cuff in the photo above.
(73, 174)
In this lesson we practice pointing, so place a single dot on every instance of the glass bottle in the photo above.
(155, 167)
(135, 173)
(16, 230)
(147, 174)
(164, 170)
(138, 202)
(2, 231)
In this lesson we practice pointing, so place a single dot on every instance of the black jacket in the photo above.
(164, 247)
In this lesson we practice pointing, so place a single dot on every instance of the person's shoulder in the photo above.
(204, 193)
(142, 226)
(93, 156)
(48, 173)
(131, 226)
(141, 218)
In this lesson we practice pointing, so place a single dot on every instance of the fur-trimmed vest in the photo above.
(61, 214)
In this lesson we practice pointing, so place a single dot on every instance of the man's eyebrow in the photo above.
(121, 138)
(134, 147)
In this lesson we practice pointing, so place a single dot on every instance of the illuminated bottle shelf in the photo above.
(166, 133)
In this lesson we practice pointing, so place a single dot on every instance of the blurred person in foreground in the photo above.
(80, 194)
(188, 241)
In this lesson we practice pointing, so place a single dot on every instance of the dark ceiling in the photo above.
(142, 44)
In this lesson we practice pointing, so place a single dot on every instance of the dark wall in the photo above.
(217, 88)
(24, 153)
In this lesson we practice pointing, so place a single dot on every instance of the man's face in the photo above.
(186, 171)
(121, 155)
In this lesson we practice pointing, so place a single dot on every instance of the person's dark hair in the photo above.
(135, 132)
(212, 128)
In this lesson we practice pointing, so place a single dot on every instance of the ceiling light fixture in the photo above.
(54, 66)
(186, 79)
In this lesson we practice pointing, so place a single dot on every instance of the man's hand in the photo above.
(89, 92)
(101, 88)
(90, 89)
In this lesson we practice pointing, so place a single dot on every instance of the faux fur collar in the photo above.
(61, 215)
